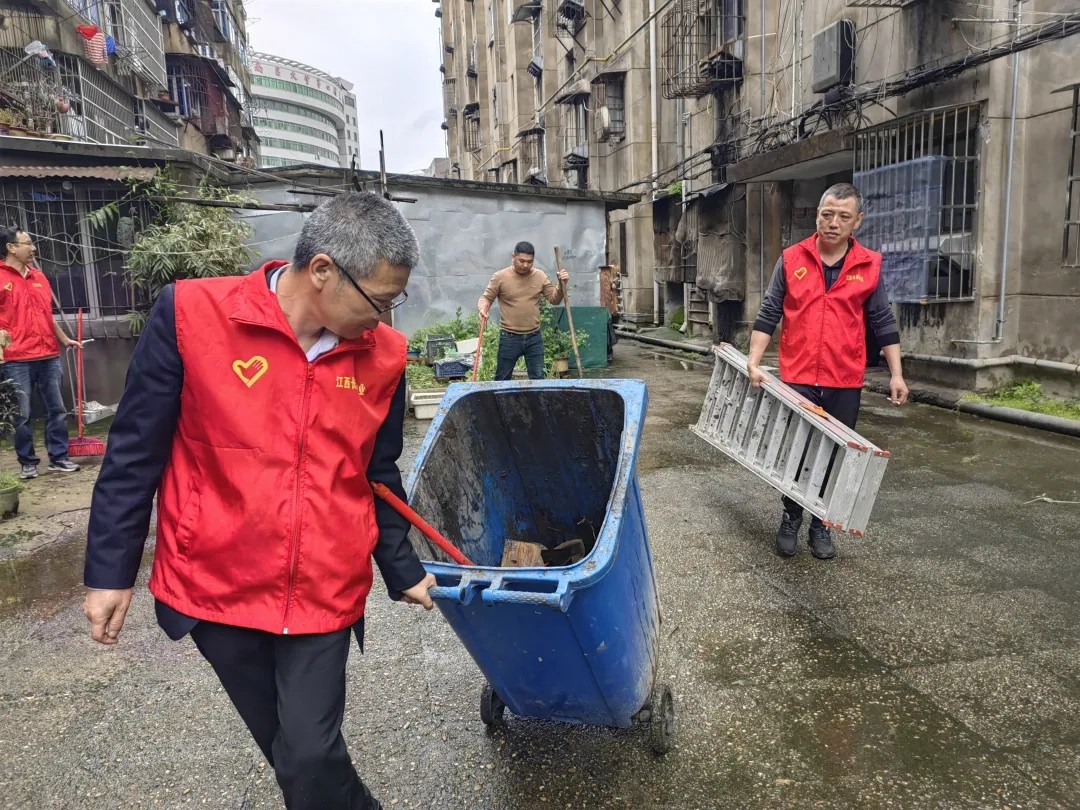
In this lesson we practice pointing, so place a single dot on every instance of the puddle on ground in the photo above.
(42, 583)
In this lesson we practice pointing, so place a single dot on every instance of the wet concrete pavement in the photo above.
(935, 663)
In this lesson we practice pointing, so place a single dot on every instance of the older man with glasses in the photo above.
(33, 358)
(259, 409)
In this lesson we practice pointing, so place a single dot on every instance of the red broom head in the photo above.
(85, 446)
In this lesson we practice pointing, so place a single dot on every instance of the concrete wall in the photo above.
(464, 237)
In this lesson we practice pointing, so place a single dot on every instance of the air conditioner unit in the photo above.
(603, 121)
(834, 56)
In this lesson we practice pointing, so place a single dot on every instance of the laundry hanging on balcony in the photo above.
(94, 45)
(37, 51)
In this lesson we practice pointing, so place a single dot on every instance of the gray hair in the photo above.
(843, 191)
(358, 230)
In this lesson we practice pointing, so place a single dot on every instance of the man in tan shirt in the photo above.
(518, 288)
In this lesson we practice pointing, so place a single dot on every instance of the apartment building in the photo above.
(94, 93)
(306, 116)
(730, 117)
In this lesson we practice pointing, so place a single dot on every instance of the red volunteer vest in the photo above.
(823, 342)
(265, 516)
(26, 313)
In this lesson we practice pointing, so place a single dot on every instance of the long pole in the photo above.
(569, 314)
(383, 492)
(999, 325)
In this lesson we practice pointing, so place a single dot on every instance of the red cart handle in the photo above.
(402, 508)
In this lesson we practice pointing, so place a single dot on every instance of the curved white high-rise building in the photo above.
(303, 115)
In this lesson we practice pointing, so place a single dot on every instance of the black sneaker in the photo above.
(64, 465)
(821, 542)
(28, 471)
(787, 538)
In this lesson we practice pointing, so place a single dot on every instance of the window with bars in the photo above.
(471, 121)
(609, 99)
(85, 264)
(1071, 247)
(450, 95)
(919, 177)
(702, 46)
(576, 132)
(533, 154)
(187, 86)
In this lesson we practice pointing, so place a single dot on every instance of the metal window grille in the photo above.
(920, 178)
(568, 17)
(187, 86)
(102, 111)
(99, 111)
(470, 67)
(154, 124)
(185, 12)
(140, 34)
(1071, 248)
(510, 171)
(609, 96)
(473, 141)
(84, 264)
(534, 157)
(576, 133)
(136, 30)
(702, 46)
(450, 95)
(536, 61)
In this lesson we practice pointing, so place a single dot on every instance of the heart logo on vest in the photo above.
(251, 371)
(800, 274)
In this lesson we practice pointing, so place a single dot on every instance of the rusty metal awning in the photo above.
(817, 156)
(571, 93)
(79, 172)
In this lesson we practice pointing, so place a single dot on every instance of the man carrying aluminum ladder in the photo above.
(826, 289)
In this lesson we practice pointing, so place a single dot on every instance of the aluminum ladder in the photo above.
(792, 444)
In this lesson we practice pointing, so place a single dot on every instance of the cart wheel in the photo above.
(661, 719)
(491, 706)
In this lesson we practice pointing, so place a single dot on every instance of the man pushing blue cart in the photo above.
(551, 463)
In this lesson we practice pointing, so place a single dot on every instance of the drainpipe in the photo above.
(654, 134)
(761, 198)
(991, 362)
(680, 150)
(999, 326)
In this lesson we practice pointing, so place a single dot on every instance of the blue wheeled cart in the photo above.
(547, 462)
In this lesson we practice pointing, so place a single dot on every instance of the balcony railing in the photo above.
(76, 101)
(137, 31)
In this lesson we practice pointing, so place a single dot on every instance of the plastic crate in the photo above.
(438, 346)
(452, 369)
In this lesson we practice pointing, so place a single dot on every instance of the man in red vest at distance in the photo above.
(826, 289)
(33, 358)
(259, 408)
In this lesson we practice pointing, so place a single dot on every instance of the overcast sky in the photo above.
(388, 49)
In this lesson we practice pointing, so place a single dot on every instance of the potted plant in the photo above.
(10, 485)
(12, 122)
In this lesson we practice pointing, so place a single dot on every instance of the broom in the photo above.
(82, 445)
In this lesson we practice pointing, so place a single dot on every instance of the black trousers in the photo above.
(290, 691)
(840, 403)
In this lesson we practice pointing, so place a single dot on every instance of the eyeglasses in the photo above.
(382, 309)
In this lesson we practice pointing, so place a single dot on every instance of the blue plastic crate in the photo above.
(452, 369)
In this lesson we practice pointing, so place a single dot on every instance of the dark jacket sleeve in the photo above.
(772, 306)
(394, 554)
(138, 449)
(879, 315)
